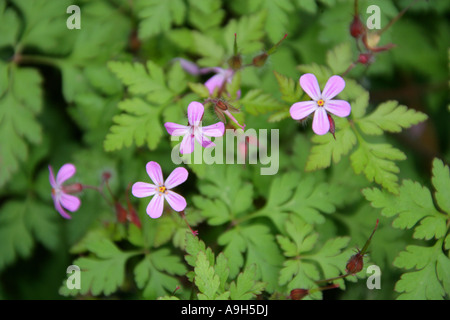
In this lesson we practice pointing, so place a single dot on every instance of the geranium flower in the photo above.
(216, 81)
(322, 102)
(194, 131)
(60, 194)
(160, 190)
(219, 79)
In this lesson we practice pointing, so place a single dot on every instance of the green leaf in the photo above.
(205, 278)
(247, 285)
(375, 160)
(205, 14)
(158, 16)
(20, 103)
(139, 125)
(391, 117)
(258, 244)
(340, 58)
(140, 80)
(432, 278)
(301, 270)
(413, 203)
(291, 91)
(441, 182)
(104, 272)
(326, 148)
(257, 102)
(249, 30)
(151, 274)
(21, 223)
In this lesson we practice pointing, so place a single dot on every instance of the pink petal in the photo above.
(333, 87)
(177, 177)
(195, 113)
(58, 207)
(143, 189)
(177, 202)
(187, 144)
(203, 140)
(52, 177)
(214, 82)
(321, 124)
(301, 110)
(175, 129)
(309, 84)
(156, 206)
(70, 202)
(228, 113)
(66, 172)
(155, 173)
(340, 108)
(189, 66)
(214, 130)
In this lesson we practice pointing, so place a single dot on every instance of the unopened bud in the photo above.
(235, 62)
(298, 294)
(355, 264)
(121, 213)
(365, 58)
(332, 125)
(260, 60)
(73, 188)
(357, 28)
(106, 175)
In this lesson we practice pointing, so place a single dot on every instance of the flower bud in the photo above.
(365, 58)
(298, 294)
(73, 188)
(235, 62)
(260, 60)
(121, 213)
(332, 125)
(355, 264)
(357, 28)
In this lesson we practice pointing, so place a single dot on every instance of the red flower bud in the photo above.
(357, 28)
(73, 188)
(260, 60)
(298, 294)
(332, 126)
(365, 58)
(355, 264)
(121, 213)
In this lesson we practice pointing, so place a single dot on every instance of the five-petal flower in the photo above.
(195, 131)
(322, 102)
(61, 198)
(160, 190)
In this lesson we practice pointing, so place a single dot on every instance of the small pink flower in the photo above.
(216, 81)
(60, 193)
(194, 131)
(322, 102)
(219, 79)
(161, 189)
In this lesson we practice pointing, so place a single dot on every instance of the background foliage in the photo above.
(98, 97)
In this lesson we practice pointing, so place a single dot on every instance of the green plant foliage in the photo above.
(412, 205)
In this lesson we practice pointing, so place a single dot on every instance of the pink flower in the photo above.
(194, 131)
(161, 189)
(216, 81)
(322, 102)
(219, 79)
(60, 193)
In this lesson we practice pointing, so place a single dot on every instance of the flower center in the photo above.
(320, 103)
(162, 189)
